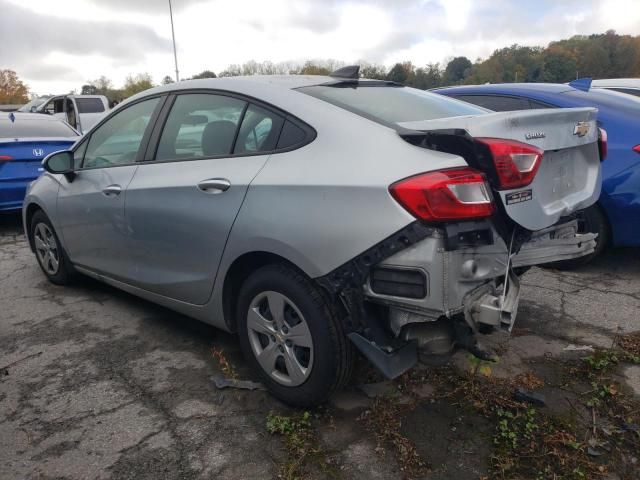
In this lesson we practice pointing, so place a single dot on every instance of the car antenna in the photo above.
(352, 72)
(583, 83)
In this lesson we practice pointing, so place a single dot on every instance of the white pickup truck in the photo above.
(81, 111)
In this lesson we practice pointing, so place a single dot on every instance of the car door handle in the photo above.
(214, 185)
(112, 190)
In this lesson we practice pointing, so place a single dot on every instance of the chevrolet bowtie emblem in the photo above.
(581, 129)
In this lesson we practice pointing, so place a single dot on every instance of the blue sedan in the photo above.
(616, 217)
(25, 139)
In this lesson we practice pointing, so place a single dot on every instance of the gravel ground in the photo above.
(95, 383)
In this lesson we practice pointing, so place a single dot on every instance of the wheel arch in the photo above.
(30, 211)
(238, 272)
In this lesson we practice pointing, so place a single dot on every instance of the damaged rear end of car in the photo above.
(453, 274)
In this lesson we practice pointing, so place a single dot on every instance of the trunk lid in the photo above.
(26, 155)
(568, 178)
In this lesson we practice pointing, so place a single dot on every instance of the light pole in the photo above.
(173, 35)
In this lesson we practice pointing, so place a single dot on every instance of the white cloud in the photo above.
(123, 37)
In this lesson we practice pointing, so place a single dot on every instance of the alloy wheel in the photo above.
(46, 248)
(280, 338)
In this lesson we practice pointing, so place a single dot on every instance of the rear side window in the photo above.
(200, 125)
(391, 104)
(22, 128)
(90, 105)
(291, 136)
(259, 131)
(497, 103)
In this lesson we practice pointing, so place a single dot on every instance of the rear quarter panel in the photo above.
(323, 204)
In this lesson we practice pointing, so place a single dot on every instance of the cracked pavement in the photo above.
(96, 383)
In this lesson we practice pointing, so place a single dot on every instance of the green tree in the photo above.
(167, 80)
(457, 69)
(204, 74)
(88, 90)
(401, 73)
(12, 90)
(370, 70)
(136, 84)
(311, 68)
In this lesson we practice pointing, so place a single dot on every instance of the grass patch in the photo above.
(600, 433)
(304, 454)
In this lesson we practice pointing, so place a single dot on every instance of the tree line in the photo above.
(606, 55)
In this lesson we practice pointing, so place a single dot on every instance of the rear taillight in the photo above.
(5, 158)
(603, 143)
(445, 195)
(636, 149)
(516, 163)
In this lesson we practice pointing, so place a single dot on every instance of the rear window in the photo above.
(90, 105)
(389, 105)
(620, 102)
(630, 91)
(35, 128)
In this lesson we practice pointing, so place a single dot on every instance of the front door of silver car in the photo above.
(181, 204)
(91, 203)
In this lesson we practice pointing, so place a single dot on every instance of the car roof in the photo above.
(514, 88)
(249, 83)
(617, 82)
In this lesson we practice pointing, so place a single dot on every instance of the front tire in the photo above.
(51, 256)
(292, 336)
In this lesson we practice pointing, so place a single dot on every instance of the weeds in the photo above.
(385, 419)
(301, 444)
(223, 362)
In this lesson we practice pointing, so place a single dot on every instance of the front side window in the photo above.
(200, 125)
(117, 141)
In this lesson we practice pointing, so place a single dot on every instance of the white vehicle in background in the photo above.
(624, 85)
(80, 111)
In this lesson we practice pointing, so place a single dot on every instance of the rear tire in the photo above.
(591, 220)
(299, 350)
(49, 252)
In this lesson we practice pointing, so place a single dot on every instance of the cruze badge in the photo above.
(581, 129)
(532, 135)
(38, 152)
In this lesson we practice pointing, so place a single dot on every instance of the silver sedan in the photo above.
(319, 215)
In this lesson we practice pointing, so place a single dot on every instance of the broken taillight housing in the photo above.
(603, 143)
(445, 195)
(516, 163)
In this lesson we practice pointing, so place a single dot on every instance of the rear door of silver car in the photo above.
(182, 201)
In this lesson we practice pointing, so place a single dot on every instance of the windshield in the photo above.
(36, 102)
(390, 104)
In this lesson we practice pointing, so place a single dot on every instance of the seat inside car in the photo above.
(217, 137)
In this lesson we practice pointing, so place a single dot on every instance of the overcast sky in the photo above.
(57, 45)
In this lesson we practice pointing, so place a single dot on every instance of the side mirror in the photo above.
(60, 163)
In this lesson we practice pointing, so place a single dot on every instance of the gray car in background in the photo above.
(316, 214)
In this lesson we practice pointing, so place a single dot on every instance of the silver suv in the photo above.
(317, 214)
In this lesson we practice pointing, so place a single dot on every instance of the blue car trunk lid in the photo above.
(20, 159)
